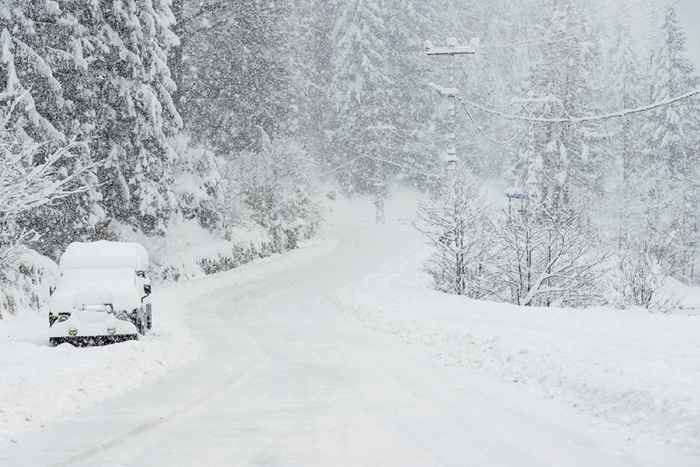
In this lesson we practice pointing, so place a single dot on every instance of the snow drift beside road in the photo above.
(39, 383)
(627, 368)
(631, 370)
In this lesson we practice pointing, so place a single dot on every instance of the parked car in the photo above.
(102, 295)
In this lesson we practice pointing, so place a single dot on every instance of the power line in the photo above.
(481, 130)
(585, 119)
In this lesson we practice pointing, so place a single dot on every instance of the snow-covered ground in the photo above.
(39, 383)
(631, 369)
(340, 354)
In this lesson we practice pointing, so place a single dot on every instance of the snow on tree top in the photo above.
(104, 254)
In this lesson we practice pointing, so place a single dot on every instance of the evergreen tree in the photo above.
(43, 52)
(237, 77)
(673, 157)
(125, 43)
(308, 51)
(25, 72)
(566, 157)
(411, 24)
(364, 89)
(627, 84)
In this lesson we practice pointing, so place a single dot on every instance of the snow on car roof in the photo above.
(104, 254)
(85, 287)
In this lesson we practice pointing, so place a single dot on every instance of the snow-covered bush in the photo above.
(547, 258)
(641, 279)
(25, 277)
(531, 257)
(199, 184)
(654, 239)
(456, 225)
(239, 255)
(647, 260)
(277, 185)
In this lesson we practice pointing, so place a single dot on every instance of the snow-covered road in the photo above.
(287, 375)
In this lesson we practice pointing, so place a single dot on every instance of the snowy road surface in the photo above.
(289, 376)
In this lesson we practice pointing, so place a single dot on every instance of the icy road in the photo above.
(287, 375)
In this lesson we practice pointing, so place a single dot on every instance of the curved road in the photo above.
(288, 378)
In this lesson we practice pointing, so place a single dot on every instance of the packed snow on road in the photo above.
(340, 354)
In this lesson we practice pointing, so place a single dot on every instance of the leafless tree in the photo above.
(30, 177)
(456, 226)
(547, 258)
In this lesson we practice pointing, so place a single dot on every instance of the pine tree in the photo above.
(237, 77)
(364, 125)
(307, 32)
(411, 24)
(45, 69)
(125, 43)
(673, 157)
(25, 72)
(567, 157)
(627, 83)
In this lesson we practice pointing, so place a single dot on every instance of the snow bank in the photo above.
(26, 281)
(176, 255)
(40, 383)
(188, 248)
(688, 298)
(628, 368)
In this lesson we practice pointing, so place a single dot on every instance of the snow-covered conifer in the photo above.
(672, 155)
(365, 95)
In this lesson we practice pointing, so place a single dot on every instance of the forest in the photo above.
(124, 117)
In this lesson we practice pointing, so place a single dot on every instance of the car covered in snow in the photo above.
(102, 295)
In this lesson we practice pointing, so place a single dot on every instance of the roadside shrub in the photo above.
(456, 226)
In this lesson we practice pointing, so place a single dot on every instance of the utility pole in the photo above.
(453, 50)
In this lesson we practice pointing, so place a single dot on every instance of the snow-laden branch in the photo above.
(586, 119)
(26, 184)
